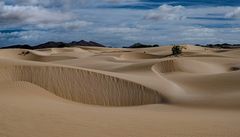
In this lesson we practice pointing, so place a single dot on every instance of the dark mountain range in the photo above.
(52, 44)
(85, 43)
(140, 45)
(224, 46)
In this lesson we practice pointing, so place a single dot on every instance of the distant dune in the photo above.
(132, 92)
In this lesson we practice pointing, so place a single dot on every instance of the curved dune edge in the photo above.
(200, 90)
(130, 56)
(83, 86)
(30, 55)
(185, 65)
(64, 50)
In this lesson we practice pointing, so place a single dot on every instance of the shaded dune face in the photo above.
(166, 66)
(82, 85)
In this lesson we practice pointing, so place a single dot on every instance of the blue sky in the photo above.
(120, 23)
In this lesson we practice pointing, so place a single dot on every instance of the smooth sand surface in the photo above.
(114, 92)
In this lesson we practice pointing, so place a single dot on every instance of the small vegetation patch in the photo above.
(177, 50)
(24, 53)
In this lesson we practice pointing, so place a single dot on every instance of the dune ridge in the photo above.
(32, 55)
(76, 85)
(129, 56)
(186, 65)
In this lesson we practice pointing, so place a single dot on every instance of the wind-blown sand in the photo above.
(114, 92)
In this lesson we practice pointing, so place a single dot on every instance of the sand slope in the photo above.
(101, 92)
(82, 85)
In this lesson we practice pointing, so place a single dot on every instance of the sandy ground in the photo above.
(113, 92)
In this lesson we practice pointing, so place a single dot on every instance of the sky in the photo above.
(120, 23)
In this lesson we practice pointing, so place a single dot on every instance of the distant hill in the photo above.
(140, 45)
(224, 46)
(52, 44)
(85, 43)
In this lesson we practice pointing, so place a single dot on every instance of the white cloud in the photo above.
(167, 12)
(76, 25)
(234, 14)
(16, 14)
(65, 4)
(198, 32)
(118, 30)
(41, 20)
(23, 35)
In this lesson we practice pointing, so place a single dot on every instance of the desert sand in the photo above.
(115, 92)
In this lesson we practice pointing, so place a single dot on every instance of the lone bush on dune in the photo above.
(177, 50)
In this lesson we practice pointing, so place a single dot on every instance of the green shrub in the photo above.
(176, 50)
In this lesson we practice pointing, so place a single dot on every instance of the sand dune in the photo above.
(76, 84)
(28, 110)
(31, 55)
(87, 91)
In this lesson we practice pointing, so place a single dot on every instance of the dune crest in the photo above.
(186, 65)
(129, 56)
(32, 55)
(82, 85)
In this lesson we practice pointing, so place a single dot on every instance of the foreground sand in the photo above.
(103, 92)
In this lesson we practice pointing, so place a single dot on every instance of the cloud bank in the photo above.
(118, 22)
